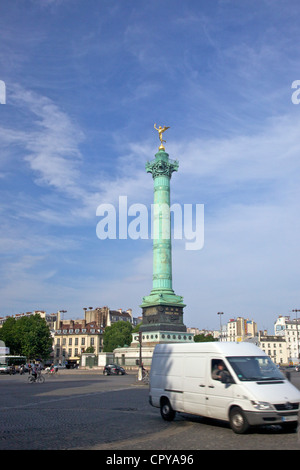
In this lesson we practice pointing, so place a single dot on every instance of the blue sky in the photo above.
(85, 82)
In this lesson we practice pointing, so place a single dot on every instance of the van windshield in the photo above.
(255, 368)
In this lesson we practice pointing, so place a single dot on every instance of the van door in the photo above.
(218, 394)
(194, 384)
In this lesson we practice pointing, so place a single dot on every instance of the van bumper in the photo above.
(256, 418)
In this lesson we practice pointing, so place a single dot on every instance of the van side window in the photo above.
(217, 367)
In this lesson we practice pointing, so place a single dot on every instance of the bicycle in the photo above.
(37, 379)
(52, 372)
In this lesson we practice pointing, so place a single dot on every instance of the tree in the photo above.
(27, 336)
(203, 338)
(117, 335)
(10, 337)
(136, 329)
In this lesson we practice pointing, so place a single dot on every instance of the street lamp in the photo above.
(220, 313)
(140, 373)
(62, 336)
(295, 310)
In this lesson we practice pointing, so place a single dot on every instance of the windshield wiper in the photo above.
(272, 378)
(250, 379)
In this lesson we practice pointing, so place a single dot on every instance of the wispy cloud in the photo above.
(53, 147)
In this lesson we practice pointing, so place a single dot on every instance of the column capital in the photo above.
(162, 165)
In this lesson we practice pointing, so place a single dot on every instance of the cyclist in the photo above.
(34, 371)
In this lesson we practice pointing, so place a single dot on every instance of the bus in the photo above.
(6, 361)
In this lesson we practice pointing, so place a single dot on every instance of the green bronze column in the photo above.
(162, 309)
(162, 169)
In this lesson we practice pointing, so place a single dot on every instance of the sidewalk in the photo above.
(90, 370)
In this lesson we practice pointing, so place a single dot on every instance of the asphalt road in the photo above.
(88, 411)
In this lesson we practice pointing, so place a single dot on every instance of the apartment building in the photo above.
(75, 337)
(51, 318)
(290, 330)
(239, 329)
(72, 338)
(275, 347)
(104, 317)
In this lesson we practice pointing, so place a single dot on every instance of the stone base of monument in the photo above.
(162, 317)
(130, 356)
(152, 338)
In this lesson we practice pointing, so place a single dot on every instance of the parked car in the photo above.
(4, 369)
(110, 369)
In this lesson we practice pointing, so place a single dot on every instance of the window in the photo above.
(217, 367)
(255, 368)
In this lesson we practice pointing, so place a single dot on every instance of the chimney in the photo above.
(129, 310)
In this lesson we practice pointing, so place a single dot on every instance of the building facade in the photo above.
(50, 318)
(275, 347)
(240, 329)
(290, 330)
(75, 337)
(72, 338)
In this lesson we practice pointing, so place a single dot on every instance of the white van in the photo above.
(235, 382)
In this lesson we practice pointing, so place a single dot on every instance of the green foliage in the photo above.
(136, 329)
(27, 336)
(117, 335)
(203, 338)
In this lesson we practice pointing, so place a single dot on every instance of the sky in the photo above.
(85, 81)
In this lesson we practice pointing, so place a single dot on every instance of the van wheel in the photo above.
(238, 421)
(166, 410)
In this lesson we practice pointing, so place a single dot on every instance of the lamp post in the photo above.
(140, 372)
(295, 310)
(220, 313)
(62, 336)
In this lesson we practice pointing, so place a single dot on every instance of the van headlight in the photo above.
(262, 405)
